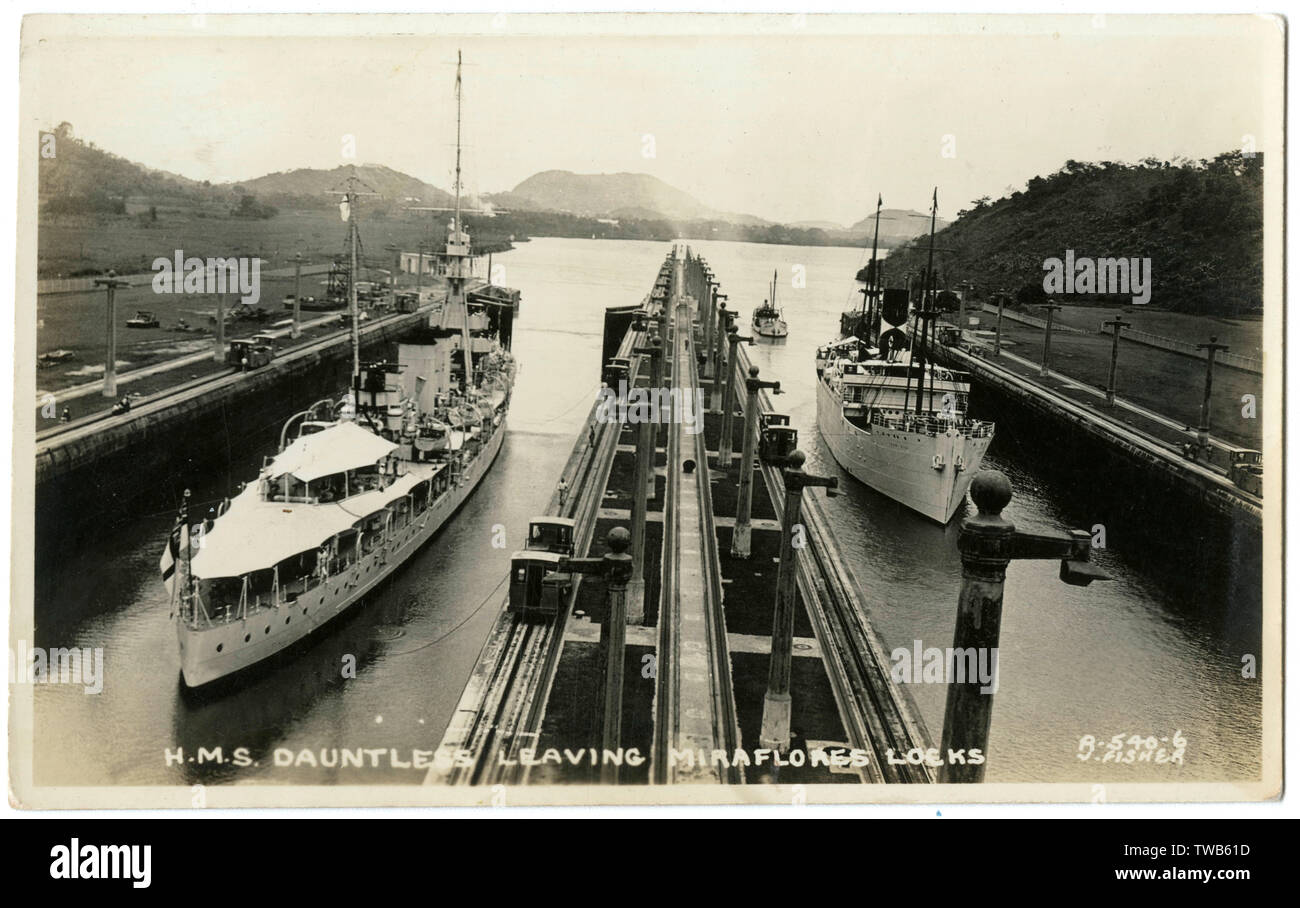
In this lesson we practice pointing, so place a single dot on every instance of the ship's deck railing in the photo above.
(929, 424)
(250, 602)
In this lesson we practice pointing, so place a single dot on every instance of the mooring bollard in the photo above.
(745, 489)
(616, 567)
(725, 443)
(775, 730)
(988, 543)
(643, 479)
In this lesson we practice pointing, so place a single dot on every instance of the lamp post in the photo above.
(397, 267)
(719, 366)
(643, 484)
(419, 270)
(710, 303)
(997, 333)
(296, 330)
(988, 543)
(616, 567)
(745, 491)
(965, 288)
(110, 285)
(1203, 431)
(775, 730)
(1116, 325)
(1045, 368)
(715, 321)
(725, 444)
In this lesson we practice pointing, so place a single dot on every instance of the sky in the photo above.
(784, 117)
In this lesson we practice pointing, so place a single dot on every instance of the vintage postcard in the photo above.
(647, 409)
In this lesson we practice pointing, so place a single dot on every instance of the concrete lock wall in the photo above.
(202, 442)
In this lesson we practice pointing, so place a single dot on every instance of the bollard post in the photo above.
(775, 730)
(110, 285)
(1115, 324)
(1045, 368)
(643, 478)
(616, 567)
(1203, 431)
(988, 543)
(745, 490)
(296, 330)
(719, 367)
(726, 445)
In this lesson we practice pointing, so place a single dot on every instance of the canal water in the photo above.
(1137, 656)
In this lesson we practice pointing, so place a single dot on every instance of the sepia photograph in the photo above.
(647, 409)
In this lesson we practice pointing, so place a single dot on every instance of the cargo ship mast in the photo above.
(924, 317)
(871, 292)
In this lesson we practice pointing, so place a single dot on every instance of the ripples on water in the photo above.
(1126, 656)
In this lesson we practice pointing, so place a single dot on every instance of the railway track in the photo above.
(692, 650)
(1136, 439)
(77, 429)
(502, 707)
(878, 716)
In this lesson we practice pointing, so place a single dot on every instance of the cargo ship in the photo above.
(893, 417)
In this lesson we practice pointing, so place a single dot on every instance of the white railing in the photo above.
(1235, 360)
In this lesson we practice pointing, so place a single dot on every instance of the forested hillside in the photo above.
(1200, 223)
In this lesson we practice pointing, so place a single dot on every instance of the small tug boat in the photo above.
(768, 321)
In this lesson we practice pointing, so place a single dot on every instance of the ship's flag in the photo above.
(171, 564)
(344, 210)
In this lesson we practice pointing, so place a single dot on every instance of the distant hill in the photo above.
(818, 225)
(309, 185)
(82, 185)
(606, 194)
(79, 176)
(1200, 223)
(897, 226)
(82, 178)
